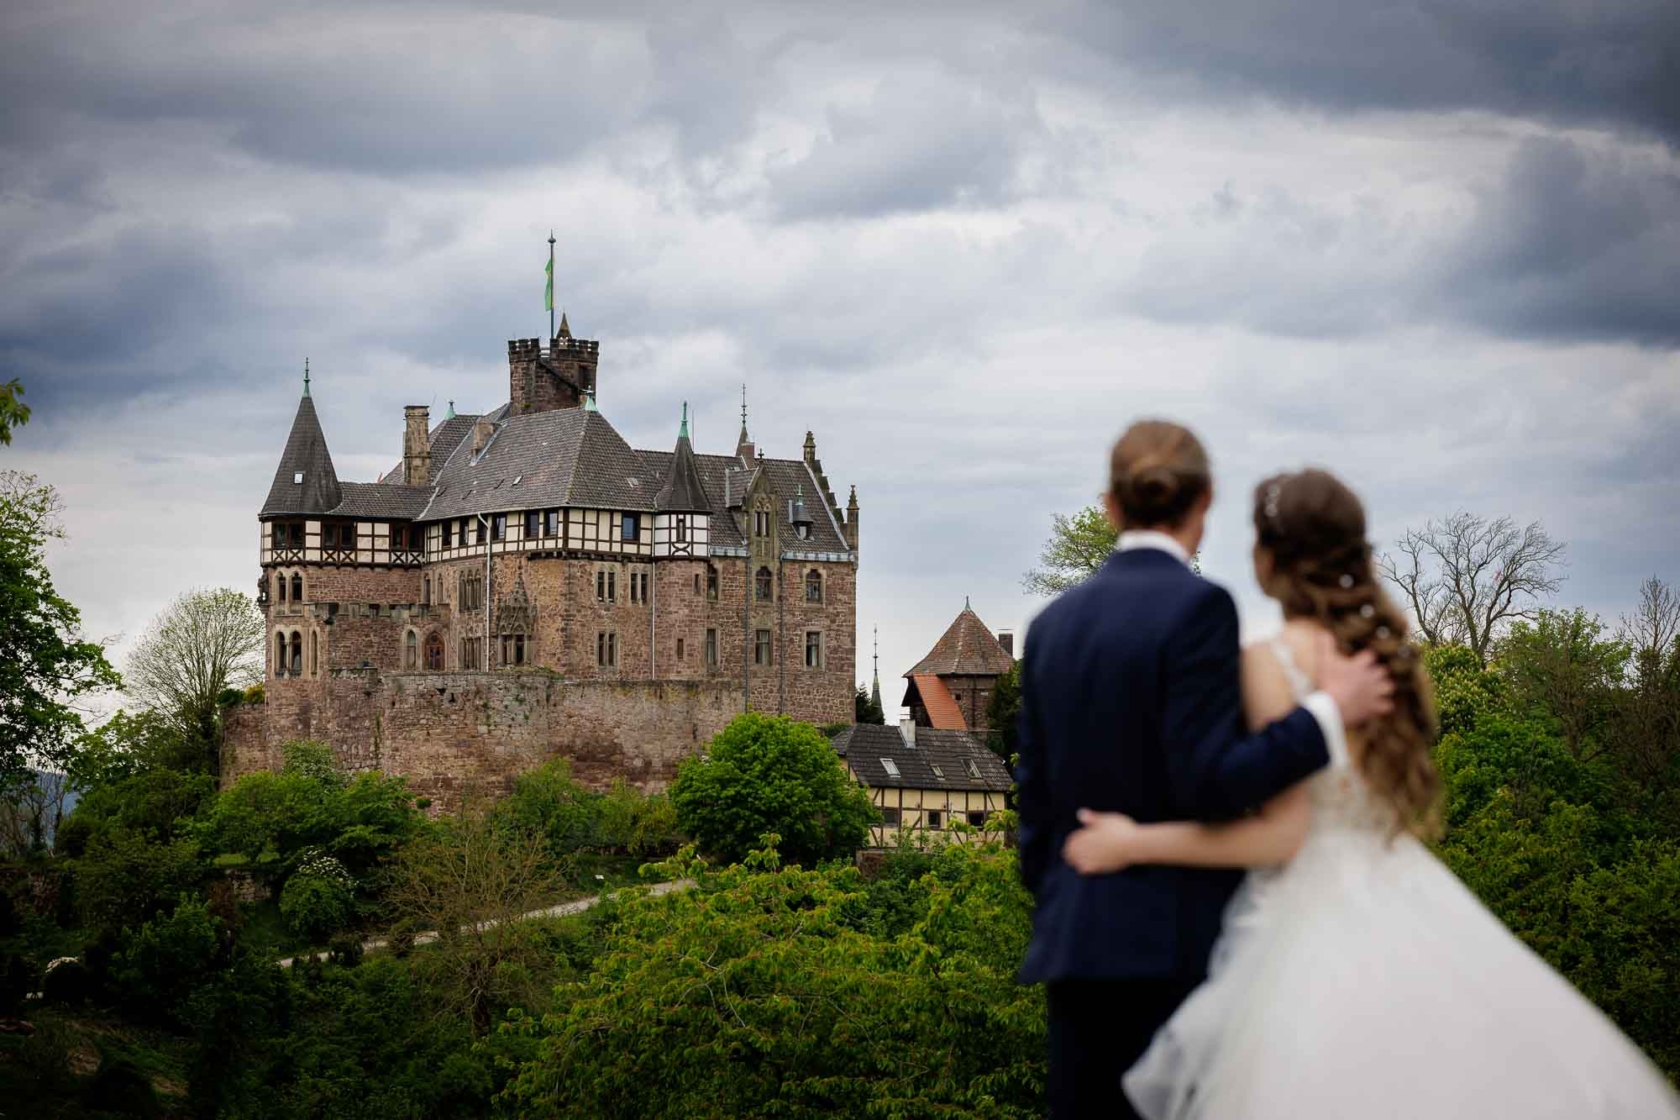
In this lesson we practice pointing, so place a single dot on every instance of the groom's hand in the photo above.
(1108, 842)
(1361, 687)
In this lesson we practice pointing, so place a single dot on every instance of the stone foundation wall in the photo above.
(450, 732)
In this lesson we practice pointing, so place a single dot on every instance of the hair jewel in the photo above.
(1274, 491)
(1382, 632)
(1367, 611)
(1346, 581)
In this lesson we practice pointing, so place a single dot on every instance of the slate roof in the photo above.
(939, 760)
(941, 706)
(306, 455)
(682, 491)
(561, 457)
(966, 648)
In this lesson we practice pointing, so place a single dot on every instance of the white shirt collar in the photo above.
(1152, 538)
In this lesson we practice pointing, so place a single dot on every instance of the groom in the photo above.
(1131, 701)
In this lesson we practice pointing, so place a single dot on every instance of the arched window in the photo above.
(434, 652)
(764, 585)
(280, 586)
(297, 654)
(280, 649)
(314, 653)
(411, 651)
(813, 586)
(297, 588)
(711, 583)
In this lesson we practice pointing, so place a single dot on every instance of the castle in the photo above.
(526, 585)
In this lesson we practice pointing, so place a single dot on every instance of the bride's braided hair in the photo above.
(1314, 528)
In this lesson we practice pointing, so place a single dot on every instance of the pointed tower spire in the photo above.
(451, 415)
(682, 491)
(305, 481)
(306, 376)
(744, 445)
(875, 692)
(565, 327)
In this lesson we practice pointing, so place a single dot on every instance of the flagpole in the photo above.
(551, 285)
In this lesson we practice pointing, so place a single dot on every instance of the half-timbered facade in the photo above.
(535, 538)
(924, 781)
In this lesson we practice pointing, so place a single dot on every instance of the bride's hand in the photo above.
(1107, 842)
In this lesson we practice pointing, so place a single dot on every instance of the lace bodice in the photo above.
(1341, 800)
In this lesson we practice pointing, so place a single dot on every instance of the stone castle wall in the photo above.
(449, 732)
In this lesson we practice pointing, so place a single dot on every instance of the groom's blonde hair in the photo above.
(1158, 471)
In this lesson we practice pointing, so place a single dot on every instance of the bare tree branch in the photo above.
(1466, 578)
(204, 642)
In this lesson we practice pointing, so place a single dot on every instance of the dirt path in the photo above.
(562, 910)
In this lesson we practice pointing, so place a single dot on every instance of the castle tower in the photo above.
(561, 375)
(952, 686)
(305, 481)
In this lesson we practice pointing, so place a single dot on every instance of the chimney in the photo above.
(417, 449)
(1006, 639)
(481, 433)
(907, 728)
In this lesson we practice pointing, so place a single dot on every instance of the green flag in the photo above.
(548, 290)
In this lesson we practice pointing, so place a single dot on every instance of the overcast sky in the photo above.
(1434, 246)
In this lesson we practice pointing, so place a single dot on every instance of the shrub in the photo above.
(319, 898)
(70, 984)
(167, 958)
(254, 694)
(230, 697)
(771, 774)
(124, 877)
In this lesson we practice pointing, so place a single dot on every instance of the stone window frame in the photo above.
(711, 647)
(713, 580)
(296, 662)
(821, 647)
(606, 585)
(297, 587)
(639, 587)
(281, 581)
(764, 648)
(281, 661)
(606, 649)
(761, 522)
(814, 586)
(515, 650)
(681, 646)
(433, 651)
(411, 650)
(764, 585)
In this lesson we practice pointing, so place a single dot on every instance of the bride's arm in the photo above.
(1109, 842)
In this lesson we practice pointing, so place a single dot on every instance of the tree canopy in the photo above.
(45, 663)
(1077, 547)
(764, 774)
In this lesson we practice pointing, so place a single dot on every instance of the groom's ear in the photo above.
(1111, 507)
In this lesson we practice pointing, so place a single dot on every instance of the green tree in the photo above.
(203, 644)
(1077, 547)
(775, 991)
(765, 774)
(13, 412)
(1559, 667)
(865, 709)
(469, 878)
(1003, 715)
(45, 665)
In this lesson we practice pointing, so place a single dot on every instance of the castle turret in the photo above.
(561, 375)
(852, 520)
(305, 481)
(681, 525)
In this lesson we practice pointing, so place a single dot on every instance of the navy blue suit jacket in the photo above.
(1131, 701)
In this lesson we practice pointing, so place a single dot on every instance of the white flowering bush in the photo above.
(319, 898)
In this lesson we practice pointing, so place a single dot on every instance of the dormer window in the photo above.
(973, 768)
(297, 478)
(890, 767)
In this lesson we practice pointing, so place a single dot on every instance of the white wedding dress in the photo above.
(1363, 980)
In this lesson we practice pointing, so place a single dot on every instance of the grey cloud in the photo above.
(1572, 245)
(1611, 64)
(926, 139)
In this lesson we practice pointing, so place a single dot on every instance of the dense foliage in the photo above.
(764, 774)
(773, 991)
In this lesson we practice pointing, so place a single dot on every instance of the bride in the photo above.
(1356, 977)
